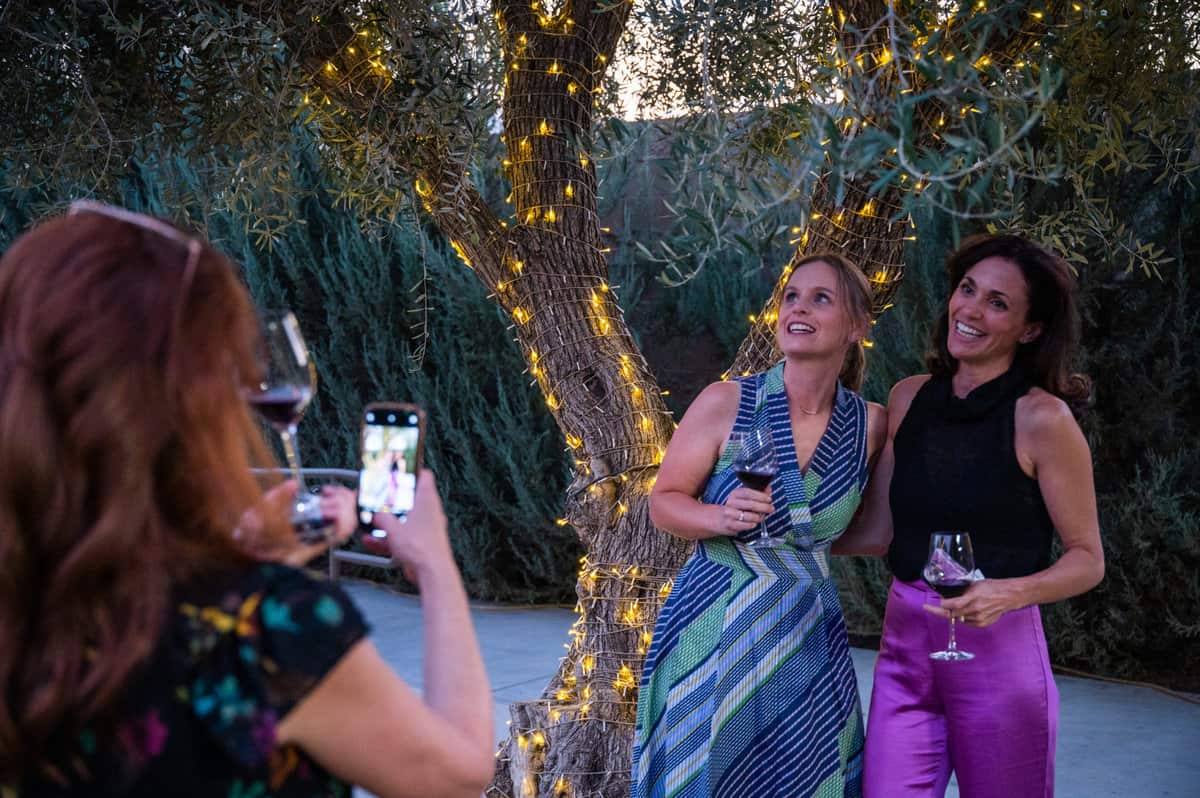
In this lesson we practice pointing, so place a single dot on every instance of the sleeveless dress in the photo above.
(748, 688)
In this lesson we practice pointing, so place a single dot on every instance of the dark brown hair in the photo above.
(1052, 303)
(125, 455)
(856, 293)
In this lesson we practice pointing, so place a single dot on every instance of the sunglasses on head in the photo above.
(159, 228)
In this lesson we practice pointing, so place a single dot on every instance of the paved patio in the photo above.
(1114, 740)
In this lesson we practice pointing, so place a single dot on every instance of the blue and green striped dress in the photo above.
(748, 690)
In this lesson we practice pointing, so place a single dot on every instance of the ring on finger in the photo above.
(741, 515)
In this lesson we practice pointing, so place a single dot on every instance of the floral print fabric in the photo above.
(198, 719)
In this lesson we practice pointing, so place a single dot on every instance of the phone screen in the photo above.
(391, 441)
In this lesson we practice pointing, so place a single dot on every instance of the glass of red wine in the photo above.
(755, 466)
(948, 570)
(287, 387)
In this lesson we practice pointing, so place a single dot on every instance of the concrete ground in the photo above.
(1114, 740)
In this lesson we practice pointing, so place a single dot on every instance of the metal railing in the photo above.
(315, 478)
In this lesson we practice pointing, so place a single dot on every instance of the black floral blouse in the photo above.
(199, 718)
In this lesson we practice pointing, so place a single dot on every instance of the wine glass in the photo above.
(948, 571)
(281, 398)
(755, 465)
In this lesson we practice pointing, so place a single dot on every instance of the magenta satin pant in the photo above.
(991, 720)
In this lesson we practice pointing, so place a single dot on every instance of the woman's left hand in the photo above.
(338, 504)
(982, 605)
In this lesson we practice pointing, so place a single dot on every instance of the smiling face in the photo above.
(989, 312)
(814, 315)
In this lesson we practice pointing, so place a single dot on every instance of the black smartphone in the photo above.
(393, 436)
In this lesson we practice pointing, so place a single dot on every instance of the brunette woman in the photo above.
(986, 443)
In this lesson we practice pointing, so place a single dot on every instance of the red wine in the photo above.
(281, 407)
(951, 588)
(313, 530)
(755, 480)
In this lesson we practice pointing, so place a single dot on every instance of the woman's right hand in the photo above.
(742, 511)
(419, 543)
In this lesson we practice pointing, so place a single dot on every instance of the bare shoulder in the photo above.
(711, 413)
(877, 427)
(902, 392)
(1041, 413)
(900, 398)
(1047, 433)
(718, 399)
(877, 419)
(697, 441)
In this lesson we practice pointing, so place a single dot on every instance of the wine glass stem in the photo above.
(288, 435)
(953, 646)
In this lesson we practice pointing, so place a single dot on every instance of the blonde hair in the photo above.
(856, 289)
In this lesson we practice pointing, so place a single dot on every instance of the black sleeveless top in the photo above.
(957, 470)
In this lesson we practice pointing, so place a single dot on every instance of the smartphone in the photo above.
(393, 437)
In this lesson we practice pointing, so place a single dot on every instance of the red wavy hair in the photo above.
(125, 456)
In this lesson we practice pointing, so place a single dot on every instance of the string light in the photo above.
(458, 250)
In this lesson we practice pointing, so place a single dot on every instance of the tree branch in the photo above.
(452, 199)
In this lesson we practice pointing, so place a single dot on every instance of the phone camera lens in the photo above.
(391, 419)
(412, 419)
(370, 418)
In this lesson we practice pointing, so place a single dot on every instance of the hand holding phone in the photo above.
(421, 545)
(391, 457)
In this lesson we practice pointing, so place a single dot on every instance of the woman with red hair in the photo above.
(151, 640)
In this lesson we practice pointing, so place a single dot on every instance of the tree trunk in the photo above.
(549, 272)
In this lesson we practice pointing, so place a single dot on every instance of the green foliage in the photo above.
(1142, 620)
(367, 305)
(910, 104)
(87, 86)
(693, 55)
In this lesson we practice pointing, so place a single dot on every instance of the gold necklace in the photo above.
(808, 412)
